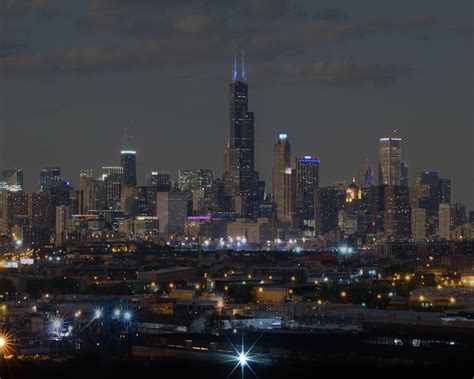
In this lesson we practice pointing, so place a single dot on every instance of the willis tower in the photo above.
(242, 185)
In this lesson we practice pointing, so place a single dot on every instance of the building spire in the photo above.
(234, 72)
(244, 77)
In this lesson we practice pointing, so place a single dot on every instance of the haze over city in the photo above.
(334, 75)
(245, 188)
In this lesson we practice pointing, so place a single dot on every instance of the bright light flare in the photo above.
(56, 326)
(97, 313)
(242, 359)
(5, 344)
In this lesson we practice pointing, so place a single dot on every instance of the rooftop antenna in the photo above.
(234, 72)
(244, 78)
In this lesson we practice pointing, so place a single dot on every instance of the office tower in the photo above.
(445, 221)
(38, 214)
(113, 191)
(307, 180)
(365, 177)
(389, 161)
(281, 163)
(86, 185)
(458, 213)
(353, 198)
(129, 165)
(171, 209)
(430, 180)
(12, 180)
(14, 212)
(445, 185)
(397, 212)
(113, 179)
(404, 174)
(160, 180)
(227, 156)
(146, 201)
(109, 170)
(419, 228)
(240, 179)
(49, 176)
(326, 209)
(193, 179)
(63, 215)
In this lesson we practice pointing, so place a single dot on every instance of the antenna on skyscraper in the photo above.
(234, 72)
(243, 66)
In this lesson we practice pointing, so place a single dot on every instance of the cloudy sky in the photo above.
(336, 75)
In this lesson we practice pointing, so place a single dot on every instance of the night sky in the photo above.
(336, 75)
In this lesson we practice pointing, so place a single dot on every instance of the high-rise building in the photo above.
(280, 184)
(430, 180)
(397, 212)
(445, 221)
(129, 165)
(193, 179)
(326, 209)
(15, 211)
(49, 176)
(445, 185)
(404, 179)
(38, 214)
(63, 215)
(307, 180)
(12, 180)
(419, 228)
(241, 179)
(171, 210)
(113, 180)
(390, 152)
(86, 185)
(160, 180)
(365, 177)
(458, 212)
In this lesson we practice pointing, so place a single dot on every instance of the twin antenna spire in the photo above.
(235, 72)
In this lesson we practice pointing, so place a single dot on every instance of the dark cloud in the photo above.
(331, 14)
(344, 72)
(11, 48)
(51, 110)
(113, 14)
(406, 23)
(14, 8)
(463, 29)
(198, 24)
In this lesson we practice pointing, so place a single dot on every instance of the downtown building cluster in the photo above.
(235, 210)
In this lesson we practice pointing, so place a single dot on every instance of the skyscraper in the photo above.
(159, 179)
(193, 179)
(129, 164)
(12, 180)
(446, 185)
(281, 163)
(326, 209)
(390, 152)
(397, 212)
(404, 174)
(240, 179)
(307, 180)
(365, 177)
(15, 211)
(171, 209)
(113, 179)
(63, 215)
(49, 176)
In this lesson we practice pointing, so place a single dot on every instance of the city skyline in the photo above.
(338, 112)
